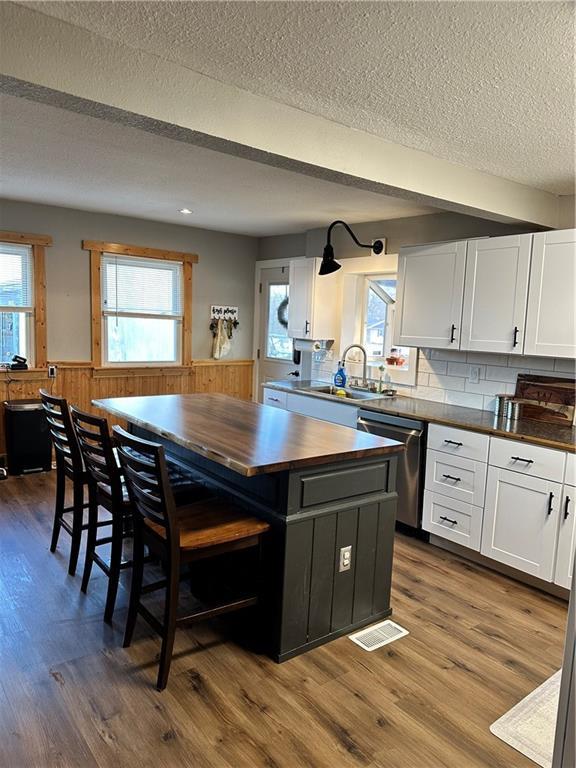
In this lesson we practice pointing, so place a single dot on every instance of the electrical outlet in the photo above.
(52, 371)
(345, 559)
(474, 374)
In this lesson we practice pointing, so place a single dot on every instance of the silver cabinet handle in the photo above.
(274, 399)
(519, 458)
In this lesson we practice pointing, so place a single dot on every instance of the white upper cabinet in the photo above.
(495, 294)
(429, 296)
(551, 320)
(314, 304)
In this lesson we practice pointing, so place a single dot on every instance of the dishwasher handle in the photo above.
(377, 427)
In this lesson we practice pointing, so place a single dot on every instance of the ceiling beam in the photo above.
(47, 60)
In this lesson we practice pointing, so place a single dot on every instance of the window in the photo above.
(141, 305)
(16, 301)
(378, 326)
(23, 297)
(141, 309)
(279, 345)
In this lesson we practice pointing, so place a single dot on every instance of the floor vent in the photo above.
(378, 635)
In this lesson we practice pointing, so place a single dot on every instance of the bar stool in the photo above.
(108, 490)
(69, 465)
(203, 529)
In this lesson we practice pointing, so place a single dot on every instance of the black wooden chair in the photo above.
(199, 530)
(106, 489)
(69, 465)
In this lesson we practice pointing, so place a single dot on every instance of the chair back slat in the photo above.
(146, 475)
(98, 453)
(62, 432)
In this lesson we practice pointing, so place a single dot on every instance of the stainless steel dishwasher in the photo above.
(410, 475)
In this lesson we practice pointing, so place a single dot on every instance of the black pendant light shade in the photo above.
(329, 263)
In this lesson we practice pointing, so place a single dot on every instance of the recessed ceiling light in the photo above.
(185, 211)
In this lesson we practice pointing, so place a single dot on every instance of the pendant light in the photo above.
(329, 263)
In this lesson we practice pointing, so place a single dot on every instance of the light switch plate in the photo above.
(474, 374)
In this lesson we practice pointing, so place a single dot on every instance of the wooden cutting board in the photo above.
(546, 398)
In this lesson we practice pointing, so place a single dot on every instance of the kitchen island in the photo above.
(322, 487)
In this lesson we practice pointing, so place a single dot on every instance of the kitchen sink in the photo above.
(351, 394)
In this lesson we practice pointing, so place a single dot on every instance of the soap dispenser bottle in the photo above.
(340, 375)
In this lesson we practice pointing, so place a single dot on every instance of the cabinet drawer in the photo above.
(528, 459)
(462, 479)
(458, 442)
(570, 475)
(275, 398)
(336, 413)
(452, 519)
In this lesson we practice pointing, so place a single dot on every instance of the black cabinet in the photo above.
(28, 445)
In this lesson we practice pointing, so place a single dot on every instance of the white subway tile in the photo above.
(465, 399)
(565, 366)
(484, 387)
(486, 358)
(497, 373)
(422, 379)
(446, 382)
(535, 363)
(489, 403)
(430, 393)
(447, 354)
(432, 366)
(463, 369)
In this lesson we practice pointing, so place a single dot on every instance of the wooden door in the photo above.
(521, 521)
(566, 538)
(551, 317)
(429, 295)
(495, 294)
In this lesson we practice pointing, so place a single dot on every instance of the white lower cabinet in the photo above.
(274, 397)
(521, 518)
(452, 519)
(326, 410)
(462, 479)
(566, 538)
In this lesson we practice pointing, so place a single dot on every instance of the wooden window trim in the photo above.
(39, 243)
(97, 248)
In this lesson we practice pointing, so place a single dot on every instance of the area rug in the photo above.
(530, 725)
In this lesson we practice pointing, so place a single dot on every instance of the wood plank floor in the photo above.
(71, 697)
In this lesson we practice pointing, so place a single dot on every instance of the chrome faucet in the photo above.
(364, 364)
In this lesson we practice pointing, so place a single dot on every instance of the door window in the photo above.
(278, 343)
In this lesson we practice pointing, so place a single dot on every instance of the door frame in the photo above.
(259, 266)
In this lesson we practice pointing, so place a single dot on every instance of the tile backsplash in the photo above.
(446, 376)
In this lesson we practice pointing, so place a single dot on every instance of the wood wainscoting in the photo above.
(80, 383)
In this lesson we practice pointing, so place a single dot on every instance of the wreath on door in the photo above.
(283, 313)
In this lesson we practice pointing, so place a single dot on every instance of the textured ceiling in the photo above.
(489, 85)
(49, 155)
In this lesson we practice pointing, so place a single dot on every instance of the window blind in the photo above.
(16, 278)
(139, 286)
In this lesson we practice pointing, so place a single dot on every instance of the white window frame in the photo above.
(178, 326)
(369, 285)
(28, 313)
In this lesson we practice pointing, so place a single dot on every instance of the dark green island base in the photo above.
(314, 512)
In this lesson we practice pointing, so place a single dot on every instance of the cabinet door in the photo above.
(317, 408)
(300, 302)
(551, 317)
(566, 538)
(495, 294)
(521, 521)
(429, 295)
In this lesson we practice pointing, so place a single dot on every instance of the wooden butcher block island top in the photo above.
(248, 438)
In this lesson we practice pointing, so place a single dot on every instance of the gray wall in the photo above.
(398, 232)
(223, 275)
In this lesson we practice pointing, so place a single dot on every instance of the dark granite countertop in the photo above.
(536, 432)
